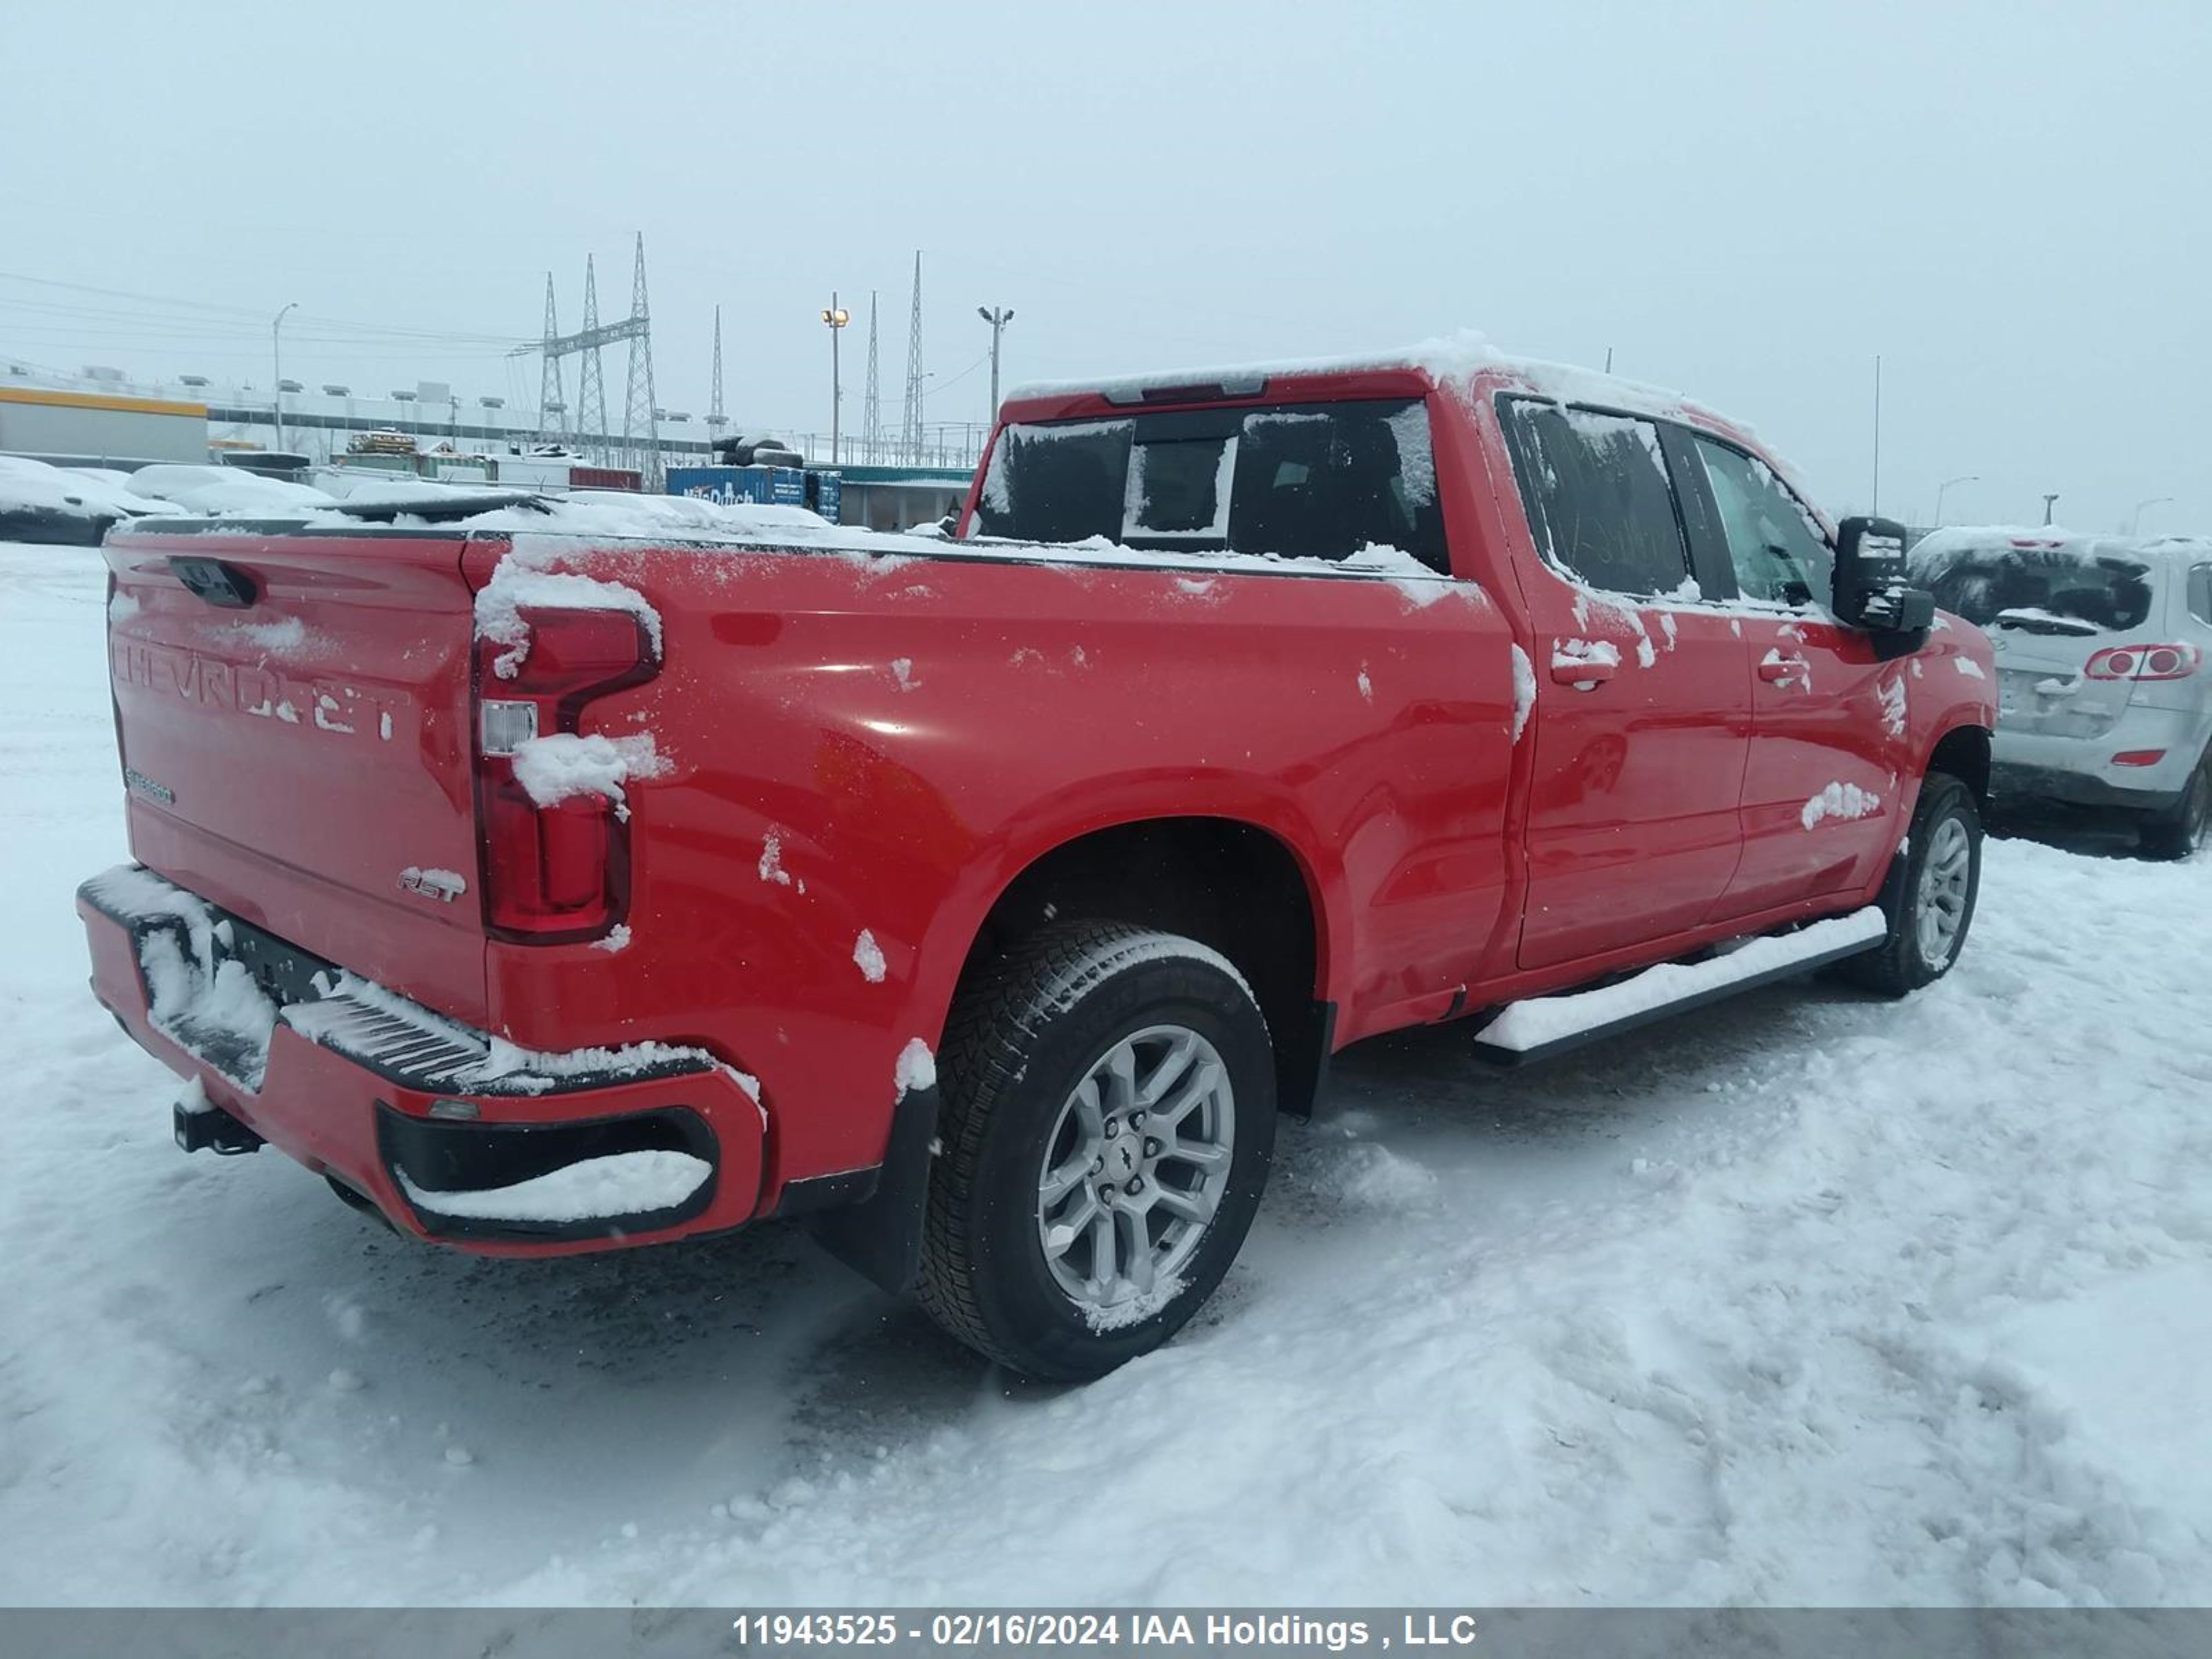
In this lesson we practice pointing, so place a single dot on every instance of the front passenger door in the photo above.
(1830, 719)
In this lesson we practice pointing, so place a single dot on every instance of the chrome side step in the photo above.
(1524, 1032)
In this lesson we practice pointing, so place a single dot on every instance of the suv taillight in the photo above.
(554, 873)
(2145, 662)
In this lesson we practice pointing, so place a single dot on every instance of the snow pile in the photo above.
(1842, 801)
(557, 768)
(1524, 691)
(518, 582)
(916, 1068)
(199, 999)
(1968, 666)
(619, 1184)
(868, 957)
(1542, 1020)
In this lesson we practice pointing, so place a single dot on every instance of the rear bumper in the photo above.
(450, 1134)
(2034, 766)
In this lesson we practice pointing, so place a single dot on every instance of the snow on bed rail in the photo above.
(1541, 1021)
(596, 1189)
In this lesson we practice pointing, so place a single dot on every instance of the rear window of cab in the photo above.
(1309, 480)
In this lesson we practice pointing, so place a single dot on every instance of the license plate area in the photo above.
(285, 973)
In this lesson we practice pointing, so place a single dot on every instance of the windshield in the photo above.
(2064, 588)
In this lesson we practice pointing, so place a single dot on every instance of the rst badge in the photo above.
(443, 885)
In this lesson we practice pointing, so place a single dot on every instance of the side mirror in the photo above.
(1871, 590)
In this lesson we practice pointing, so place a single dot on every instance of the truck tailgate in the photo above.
(293, 713)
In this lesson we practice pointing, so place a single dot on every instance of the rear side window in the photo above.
(1321, 481)
(1600, 500)
(2200, 593)
(2062, 588)
(1057, 484)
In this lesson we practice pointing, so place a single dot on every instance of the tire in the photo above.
(2186, 826)
(1048, 1060)
(1946, 830)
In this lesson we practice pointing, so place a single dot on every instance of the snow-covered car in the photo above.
(2100, 644)
(66, 505)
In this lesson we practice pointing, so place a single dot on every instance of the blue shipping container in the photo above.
(728, 485)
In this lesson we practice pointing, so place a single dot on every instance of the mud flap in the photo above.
(879, 1235)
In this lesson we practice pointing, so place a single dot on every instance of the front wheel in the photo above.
(1931, 903)
(1109, 1122)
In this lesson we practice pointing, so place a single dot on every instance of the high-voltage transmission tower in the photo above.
(552, 391)
(716, 420)
(639, 443)
(591, 378)
(641, 423)
(910, 431)
(871, 404)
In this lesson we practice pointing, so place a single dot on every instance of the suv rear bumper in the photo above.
(2036, 766)
(450, 1134)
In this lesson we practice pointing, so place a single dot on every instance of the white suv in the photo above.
(2104, 695)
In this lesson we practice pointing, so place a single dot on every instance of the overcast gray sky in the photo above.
(2008, 201)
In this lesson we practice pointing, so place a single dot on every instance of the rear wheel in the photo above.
(1108, 1122)
(1932, 897)
(2186, 827)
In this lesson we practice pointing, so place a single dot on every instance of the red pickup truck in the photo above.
(554, 876)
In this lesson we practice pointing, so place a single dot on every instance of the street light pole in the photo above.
(2049, 499)
(836, 317)
(1964, 477)
(998, 320)
(2134, 519)
(276, 364)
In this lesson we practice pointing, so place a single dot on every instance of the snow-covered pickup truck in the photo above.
(552, 876)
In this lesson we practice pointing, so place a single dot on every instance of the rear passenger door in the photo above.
(1641, 718)
(1830, 718)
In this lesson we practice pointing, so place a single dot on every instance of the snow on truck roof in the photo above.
(1447, 361)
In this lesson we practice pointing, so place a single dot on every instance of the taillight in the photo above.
(2145, 662)
(559, 873)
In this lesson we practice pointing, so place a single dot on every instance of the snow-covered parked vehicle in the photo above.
(559, 876)
(2100, 641)
(68, 506)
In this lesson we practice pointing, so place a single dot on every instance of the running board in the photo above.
(1540, 1027)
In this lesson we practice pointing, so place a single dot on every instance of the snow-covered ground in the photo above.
(1807, 1299)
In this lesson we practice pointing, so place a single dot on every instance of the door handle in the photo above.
(1778, 670)
(1581, 672)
